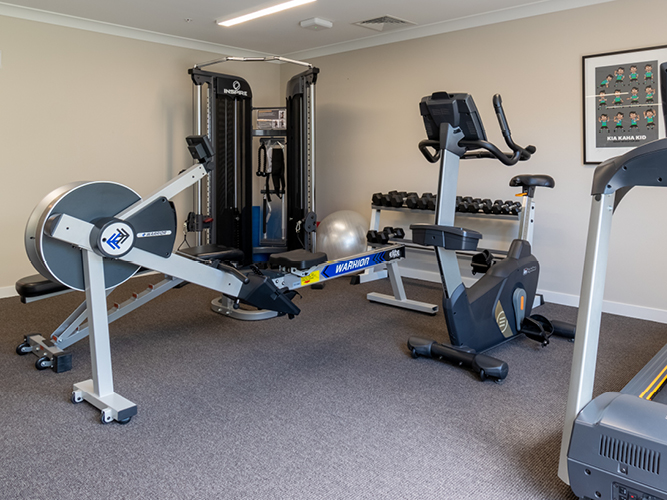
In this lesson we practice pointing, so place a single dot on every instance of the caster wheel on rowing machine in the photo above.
(23, 348)
(43, 363)
(125, 421)
(105, 416)
(76, 399)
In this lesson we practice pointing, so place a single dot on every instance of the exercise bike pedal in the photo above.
(537, 328)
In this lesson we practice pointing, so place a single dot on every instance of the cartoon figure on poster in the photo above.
(632, 107)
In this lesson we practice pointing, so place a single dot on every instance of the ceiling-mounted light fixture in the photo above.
(315, 23)
(263, 12)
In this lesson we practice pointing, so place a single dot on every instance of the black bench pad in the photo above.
(213, 252)
(37, 285)
(299, 259)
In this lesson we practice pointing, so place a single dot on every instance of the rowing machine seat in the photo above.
(299, 259)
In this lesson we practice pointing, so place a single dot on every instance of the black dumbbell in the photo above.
(391, 232)
(386, 198)
(383, 236)
(372, 236)
(394, 200)
(397, 199)
(481, 262)
(422, 203)
(486, 205)
(474, 205)
(412, 200)
(377, 198)
(505, 207)
(431, 203)
(464, 204)
(496, 207)
(515, 208)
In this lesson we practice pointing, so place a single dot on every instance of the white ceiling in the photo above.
(280, 34)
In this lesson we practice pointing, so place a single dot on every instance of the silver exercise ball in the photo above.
(342, 234)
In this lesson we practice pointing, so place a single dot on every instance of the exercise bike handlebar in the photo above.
(488, 149)
(525, 153)
(491, 151)
(428, 143)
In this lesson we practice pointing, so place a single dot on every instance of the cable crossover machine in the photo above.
(224, 111)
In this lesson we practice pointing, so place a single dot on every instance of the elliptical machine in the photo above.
(497, 307)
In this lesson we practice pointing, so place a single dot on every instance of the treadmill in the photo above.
(615, 446)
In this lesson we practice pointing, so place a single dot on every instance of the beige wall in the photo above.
(77, 105)
(368, 127)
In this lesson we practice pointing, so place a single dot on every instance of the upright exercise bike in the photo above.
(497, 307)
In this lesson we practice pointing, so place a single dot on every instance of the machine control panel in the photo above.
(621, 492)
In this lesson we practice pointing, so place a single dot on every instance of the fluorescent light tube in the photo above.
(263, 12)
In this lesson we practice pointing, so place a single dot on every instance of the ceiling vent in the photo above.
(385, 23)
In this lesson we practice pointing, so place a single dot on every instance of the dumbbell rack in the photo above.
(400, 299)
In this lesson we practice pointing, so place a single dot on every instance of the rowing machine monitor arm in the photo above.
(201, 149)
(459, 111)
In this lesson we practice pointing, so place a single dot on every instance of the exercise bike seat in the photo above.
(299, 259)
(528, 180)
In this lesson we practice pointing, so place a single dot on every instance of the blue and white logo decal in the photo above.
(153, 234)
(359, 263)
(116, 239)
(119, 237)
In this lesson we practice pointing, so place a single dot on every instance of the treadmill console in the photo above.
(458, 110)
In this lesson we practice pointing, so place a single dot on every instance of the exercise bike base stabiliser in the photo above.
(497, 308)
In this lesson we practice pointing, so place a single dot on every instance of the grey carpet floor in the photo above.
(329, 405)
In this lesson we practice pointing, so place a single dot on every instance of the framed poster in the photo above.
(621, 101)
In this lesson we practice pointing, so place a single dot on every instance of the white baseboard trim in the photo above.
(7, 291)
(608, 306)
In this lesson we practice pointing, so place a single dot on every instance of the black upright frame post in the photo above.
(229, 193)
(300, 183)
